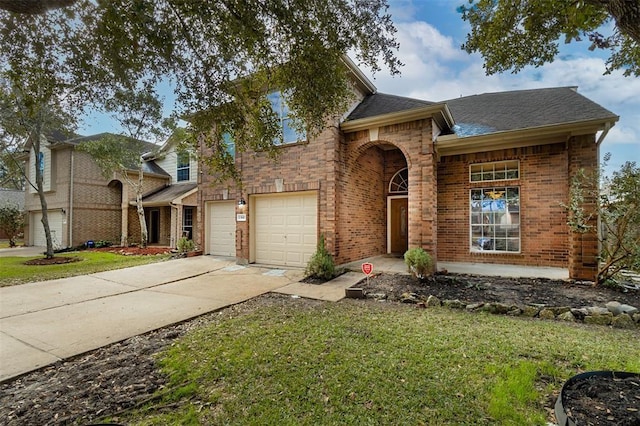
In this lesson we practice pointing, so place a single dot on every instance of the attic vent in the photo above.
(400, 182)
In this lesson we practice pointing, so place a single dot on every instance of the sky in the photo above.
(430, 33)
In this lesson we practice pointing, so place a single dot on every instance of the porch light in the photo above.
(242, 202)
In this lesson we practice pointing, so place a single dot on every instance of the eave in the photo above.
(454, 145)
(439, 112)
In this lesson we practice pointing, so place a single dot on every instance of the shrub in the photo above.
(185, 245)
(321, 264)
(11, 222)
(419, 262)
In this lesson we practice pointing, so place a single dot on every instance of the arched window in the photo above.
(399, 182)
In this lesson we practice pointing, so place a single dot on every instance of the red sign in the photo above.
(367, 268)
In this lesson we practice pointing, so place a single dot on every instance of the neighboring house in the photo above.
(475, 179)
(12, 197)
(83, 205)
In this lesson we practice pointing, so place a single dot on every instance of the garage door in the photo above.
(55, 224)
(221, 228)
(285, 228)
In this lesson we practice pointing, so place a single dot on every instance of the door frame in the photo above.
(389, 198)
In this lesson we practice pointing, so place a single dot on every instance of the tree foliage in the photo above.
(513, 34)
(615, 201)
(60, 58)
(11, 222)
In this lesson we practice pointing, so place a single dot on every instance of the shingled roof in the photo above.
(521, 109)
(381, 103)
(495, 112)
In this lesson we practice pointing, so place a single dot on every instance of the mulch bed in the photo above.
(55, 260)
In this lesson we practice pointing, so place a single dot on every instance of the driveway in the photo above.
(45, 322)
(22, 251)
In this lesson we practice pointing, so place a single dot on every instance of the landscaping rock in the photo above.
(559, 310)
(614, 307)
(623, 321)
(515, 311)
(454, 304)
(547, 313)
(596, 310)
(433, 301)
(602, 319)
(579, 313)
(530, 311)
(567, 316)
(629, 310)
(497, 308)
(636, 318)
(474, 306)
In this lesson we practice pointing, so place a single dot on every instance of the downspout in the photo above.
(70, 218)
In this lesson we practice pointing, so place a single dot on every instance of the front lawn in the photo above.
(14, 271)
(365, 362)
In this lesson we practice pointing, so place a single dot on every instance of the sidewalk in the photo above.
(44, 322)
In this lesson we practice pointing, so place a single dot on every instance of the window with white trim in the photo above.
(399, 182)
(495, 219)
(280, 107)
(499, 170)
(183, 167)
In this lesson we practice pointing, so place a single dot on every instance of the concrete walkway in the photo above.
(44, 322)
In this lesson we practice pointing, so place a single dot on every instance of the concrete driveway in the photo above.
(22, 251)
(44, 322)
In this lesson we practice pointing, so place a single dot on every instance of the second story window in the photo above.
(289, 134)
(183, 170)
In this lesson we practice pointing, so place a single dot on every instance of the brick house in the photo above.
(473, 179)
(83, 205)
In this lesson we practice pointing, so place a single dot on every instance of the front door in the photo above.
(398, 225)
(154, 226)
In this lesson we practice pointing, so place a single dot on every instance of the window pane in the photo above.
(495, 219)
(231, 145)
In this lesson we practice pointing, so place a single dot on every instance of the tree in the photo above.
(615, 201)
(512, 34)
(41, 87)
(61, 57)
(11, 222)
(140, 115)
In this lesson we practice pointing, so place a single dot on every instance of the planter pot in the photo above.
(194, 253)
(563, 413)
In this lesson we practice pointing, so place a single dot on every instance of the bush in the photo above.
(11, 222)
(419, 263)
(185, 245)
(321, 264)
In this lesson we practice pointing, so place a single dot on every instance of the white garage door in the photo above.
(55, 225)
(285, 228)
(221, 228)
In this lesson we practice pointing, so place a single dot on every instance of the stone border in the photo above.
(614, 314)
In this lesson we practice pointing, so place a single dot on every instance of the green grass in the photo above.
(13, 271)
(367, 363)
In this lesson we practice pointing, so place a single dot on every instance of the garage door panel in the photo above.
(55, 225)
(285, 229)
(221, 228)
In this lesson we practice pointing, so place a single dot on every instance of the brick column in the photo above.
(583, 247)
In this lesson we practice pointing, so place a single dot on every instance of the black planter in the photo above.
(560, 411)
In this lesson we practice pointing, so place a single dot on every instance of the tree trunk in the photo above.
(43, 201)
(144, 234)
